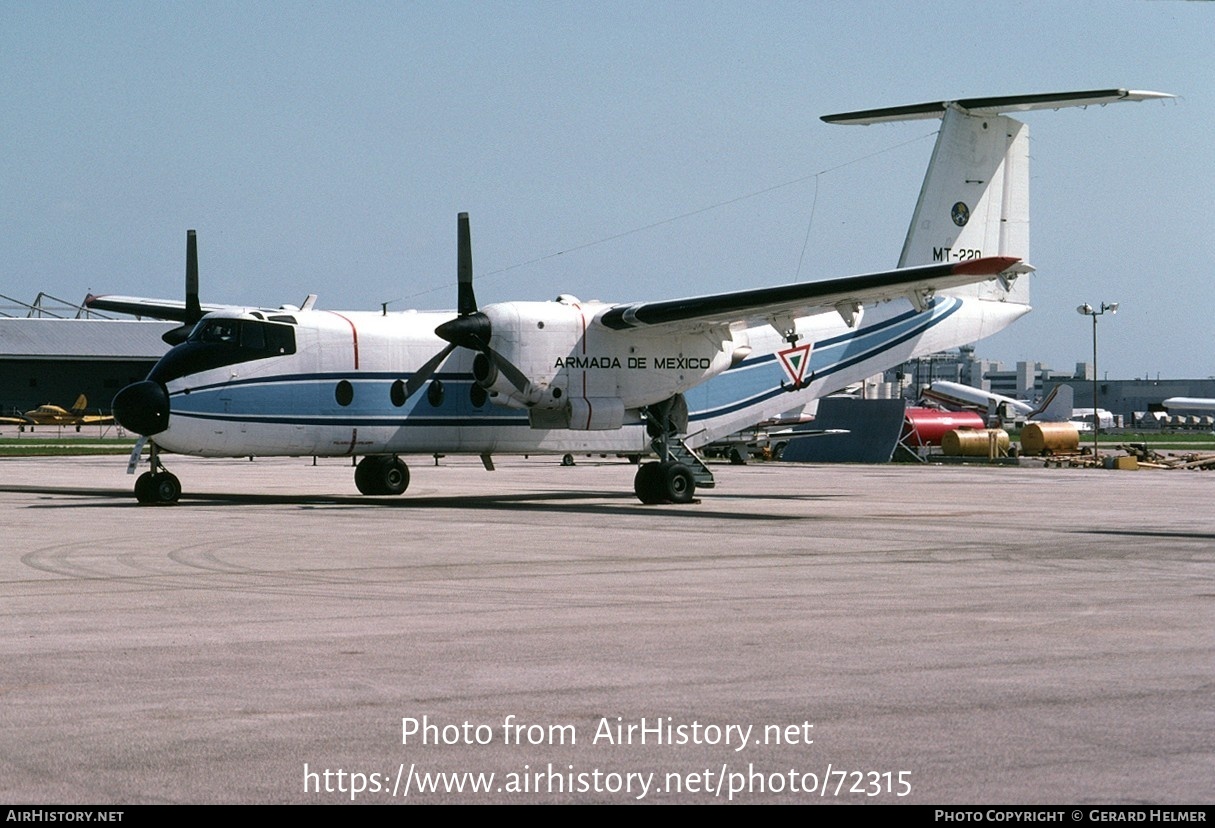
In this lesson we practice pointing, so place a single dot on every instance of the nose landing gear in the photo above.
(158, 487)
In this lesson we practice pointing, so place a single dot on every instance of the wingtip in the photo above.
(988, 265)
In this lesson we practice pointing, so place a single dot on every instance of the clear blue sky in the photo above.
(327, 147)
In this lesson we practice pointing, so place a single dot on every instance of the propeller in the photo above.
(193, 308)
(470, 329)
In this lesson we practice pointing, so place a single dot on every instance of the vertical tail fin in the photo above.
(975, 198)
(1057, 407)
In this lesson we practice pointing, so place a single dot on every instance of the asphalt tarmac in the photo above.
(859, 634)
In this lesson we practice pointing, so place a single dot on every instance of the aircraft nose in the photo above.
(142, 407)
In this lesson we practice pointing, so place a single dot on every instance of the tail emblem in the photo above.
(960, 214)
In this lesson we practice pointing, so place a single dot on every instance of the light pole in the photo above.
(1088, 310)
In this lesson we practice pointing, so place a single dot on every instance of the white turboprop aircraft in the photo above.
(566, 376)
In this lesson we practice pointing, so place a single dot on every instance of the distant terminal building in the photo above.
(1131, 401)
(49, 358)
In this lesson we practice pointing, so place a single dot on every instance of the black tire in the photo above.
(381, 475)
(164, 489)
(648, 483)
(365, 476)
(143, 488)
(677, 483)
(567, 459)
(738, 456)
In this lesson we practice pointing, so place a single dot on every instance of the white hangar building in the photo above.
(53, 360)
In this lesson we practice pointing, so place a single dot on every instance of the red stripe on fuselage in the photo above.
(582, 316)
(354, 333)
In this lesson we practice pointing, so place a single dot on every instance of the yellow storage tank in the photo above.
(1049, 438)
(975, 442)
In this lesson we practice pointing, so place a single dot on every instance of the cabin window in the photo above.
(397, 393)
(477, 395)
(434, 394)
(344, 393)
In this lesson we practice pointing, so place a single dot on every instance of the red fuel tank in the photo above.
(926, 426)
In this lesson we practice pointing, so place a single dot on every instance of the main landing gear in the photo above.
(381, 474)
(157, 487)
(664, 482)
(674, 478)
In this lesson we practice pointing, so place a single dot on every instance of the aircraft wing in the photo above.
(762, 305)
(172, 309)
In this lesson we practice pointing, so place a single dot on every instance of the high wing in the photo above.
(175, 310)
(172, 309)
(844, 295)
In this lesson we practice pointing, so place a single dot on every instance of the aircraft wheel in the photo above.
(164, 488)
(364, 476)
(381, 475)
(737, 456)
(567, 459)
(676, 483)
(394, 475)
(143, 488)
(648, 483)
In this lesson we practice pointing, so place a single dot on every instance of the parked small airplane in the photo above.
(1055, 407)
(55, 415)
(566, 376)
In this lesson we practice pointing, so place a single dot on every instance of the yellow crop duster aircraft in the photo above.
(55, 415)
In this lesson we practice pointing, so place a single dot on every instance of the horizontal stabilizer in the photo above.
(994, 106)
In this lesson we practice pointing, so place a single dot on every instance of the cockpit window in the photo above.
(216, 342)
(216, 330)
(261, 339)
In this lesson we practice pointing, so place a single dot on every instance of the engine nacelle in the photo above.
(587, 374)
(582, 414)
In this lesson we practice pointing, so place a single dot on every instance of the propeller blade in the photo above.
(178, 335)
(466, 300)
(424, 373)
(517, 378)
(471, 329)
(193, 307)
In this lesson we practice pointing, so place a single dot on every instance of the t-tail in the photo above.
(973, 205)
(975, 198)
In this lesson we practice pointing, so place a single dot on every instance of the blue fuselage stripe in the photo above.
(751, 382)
